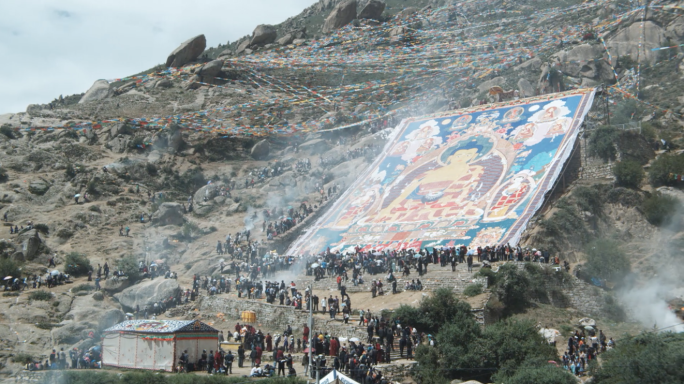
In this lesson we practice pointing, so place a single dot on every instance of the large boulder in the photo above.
(340, 16)
(406, 12)
(38, 186)
(372, 10)
(286, 40)
(119, 144)
(315, 146)
(497, 81)
(264, 34)
(98, 91)
(148, 292)
(579, 61)
(242, 46)
(168, 214)
(525, 87)
(261, 149)
(211, 69)
(187, 52)
(626, 42)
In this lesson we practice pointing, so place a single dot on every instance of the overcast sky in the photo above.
(48, 48)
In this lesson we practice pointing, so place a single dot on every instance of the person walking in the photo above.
(229, 362)
(241, 356)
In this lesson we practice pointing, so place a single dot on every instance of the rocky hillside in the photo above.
(300, 109)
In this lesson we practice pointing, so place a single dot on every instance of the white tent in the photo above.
(335, 377)
(155, 344)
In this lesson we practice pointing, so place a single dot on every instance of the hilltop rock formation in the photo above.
(372, 10)
(187, 52)
(148, 292)
(342, 15)
(98, 91)
(263, 34)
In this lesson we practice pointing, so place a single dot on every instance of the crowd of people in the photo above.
(584, 347)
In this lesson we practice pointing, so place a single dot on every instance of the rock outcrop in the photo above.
(260, 150)
(148, 292)
(187, 52)
(211, 69)
(100, 90)
(263, 34)
(372, 10)
(340, 16)
(168, 214)
(627, 40)
(38, 186)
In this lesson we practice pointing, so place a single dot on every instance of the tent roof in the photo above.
(336, 376)
(161, 326)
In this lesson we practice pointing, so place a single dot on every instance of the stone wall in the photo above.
(593, 167)
(275, 317)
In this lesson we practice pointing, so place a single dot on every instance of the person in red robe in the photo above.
(334, 346)
(269, 343)
(259, 351)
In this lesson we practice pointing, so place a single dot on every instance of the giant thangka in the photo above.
(473, 177)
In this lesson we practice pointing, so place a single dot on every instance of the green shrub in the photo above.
(9, 268)
(628, 174)
(660, 209)
(602, 143)
(94, 208)
(22, 358)
(664, 168)
(129, 266)
(83, 287)
(42, 228)
(605, 261)
(473, 290)
(40, 295)
(488, 274)
(70, 172)
(77, 264)
(4, 176)
(10, 294)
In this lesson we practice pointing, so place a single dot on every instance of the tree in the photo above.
(602, 143)
(661, 209)
(539, 372)
(605, 261)
(441, 307)
(512, 288)
(510, 343)
(129, 266)
(644, 359)
(9, 268)
(628, 174)
(664, 167)
(77, 264)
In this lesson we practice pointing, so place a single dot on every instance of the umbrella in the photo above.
(153, 264)
(77, 195)
(8, 278)
(314, 265)
(129, 314)
(354, 340)
(306, 350)
(377, 253)
(342, 339)
(417, 256)
(54, 273)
